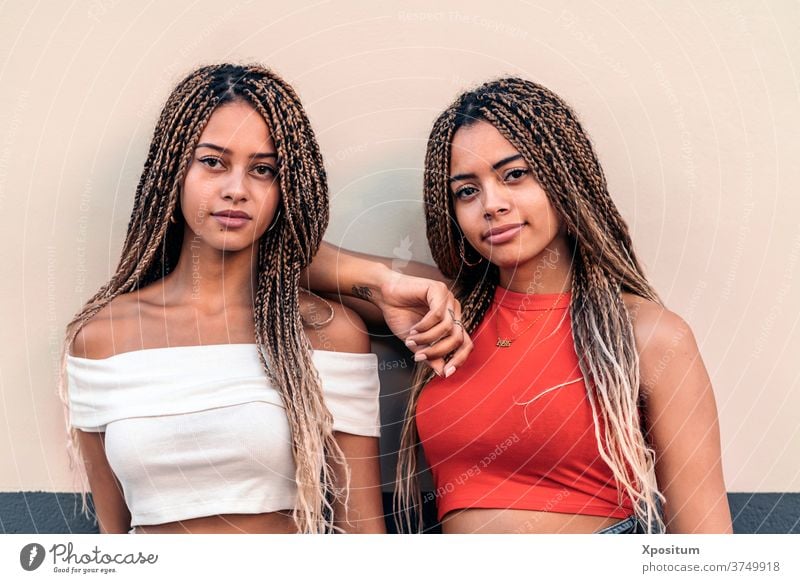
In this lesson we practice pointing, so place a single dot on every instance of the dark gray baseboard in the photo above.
(56, 513)
(43, 513)
(758, 513)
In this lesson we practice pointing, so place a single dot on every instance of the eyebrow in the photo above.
(225, 151)
(495, 166)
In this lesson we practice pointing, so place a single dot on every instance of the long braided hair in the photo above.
(153, 242)
(548, 135)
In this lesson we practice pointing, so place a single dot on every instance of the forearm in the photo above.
(415, 301)
(355, 279)
(339, 271)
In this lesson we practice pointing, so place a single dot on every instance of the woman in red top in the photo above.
(585, 406)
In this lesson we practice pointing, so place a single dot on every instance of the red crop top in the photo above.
(487, 448)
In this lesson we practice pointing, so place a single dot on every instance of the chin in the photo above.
(234, 247)
(504, 258)
(229, 244)
(509, 262)
(506, 265)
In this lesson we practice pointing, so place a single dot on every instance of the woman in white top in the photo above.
(207, 391)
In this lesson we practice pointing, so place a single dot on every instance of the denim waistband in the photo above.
(628, 525)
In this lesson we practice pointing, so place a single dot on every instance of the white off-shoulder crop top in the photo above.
(199, 430)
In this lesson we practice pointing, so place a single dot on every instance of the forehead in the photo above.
(237, 124)
(478, 144)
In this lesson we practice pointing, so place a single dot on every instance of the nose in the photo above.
(235, 189)
(496, 201)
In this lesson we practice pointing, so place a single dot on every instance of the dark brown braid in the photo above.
(554, 144)
(152, 247)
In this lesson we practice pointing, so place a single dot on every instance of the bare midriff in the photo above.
(501, 521)
(279, 522)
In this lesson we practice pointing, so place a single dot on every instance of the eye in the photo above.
(264, 170)
(465, 192)
(516, 174)
(211, 162)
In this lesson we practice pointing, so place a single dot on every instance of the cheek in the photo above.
(543, 214)
(195, 195)
(553, 222)
(469, 219)
(195, 209)
(267, 208)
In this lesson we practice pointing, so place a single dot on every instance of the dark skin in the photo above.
(207, 300)
(681, 415)
(119, 322)
(493, 187)
(416, 305)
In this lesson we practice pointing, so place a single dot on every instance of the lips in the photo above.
(232, 214)
(231, 219)
(502, 234)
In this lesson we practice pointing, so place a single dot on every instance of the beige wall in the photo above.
(693, 107)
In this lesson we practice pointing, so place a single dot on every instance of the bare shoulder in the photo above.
(654, 326)
(663, 339)
(114, 329)
(346, 332)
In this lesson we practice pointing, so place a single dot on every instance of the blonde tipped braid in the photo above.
(552, 141)
(151, 250)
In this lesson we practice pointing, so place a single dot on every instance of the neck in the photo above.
(211, 280)
(550, 272)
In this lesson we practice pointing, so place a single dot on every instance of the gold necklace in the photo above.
(506, 342)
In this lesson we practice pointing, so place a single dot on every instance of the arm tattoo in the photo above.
(362, 292)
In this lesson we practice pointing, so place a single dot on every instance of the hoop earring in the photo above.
(274, 221)
(463, 255)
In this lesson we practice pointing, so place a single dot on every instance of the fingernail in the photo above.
(413, 333)
(410, 343)
(450, 370)
(419, 356)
